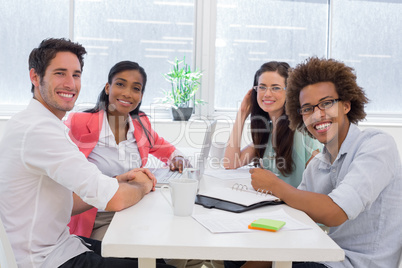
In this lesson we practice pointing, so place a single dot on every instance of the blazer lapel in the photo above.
(142, 142)
(89, 140)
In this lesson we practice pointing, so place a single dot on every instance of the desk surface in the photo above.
(150, 230)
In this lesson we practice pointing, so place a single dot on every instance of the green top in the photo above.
(303, 147)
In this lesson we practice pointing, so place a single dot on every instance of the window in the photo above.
(22, 29)
(150, 33)
(371, 42)
(227, 39)
(251, 33)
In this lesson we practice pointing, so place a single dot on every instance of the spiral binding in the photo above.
(239, 187)
(243, 187)
(264, 192)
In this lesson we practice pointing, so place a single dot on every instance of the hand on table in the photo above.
(137, 175)
(179, 163)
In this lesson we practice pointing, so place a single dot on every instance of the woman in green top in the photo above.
(275, 146)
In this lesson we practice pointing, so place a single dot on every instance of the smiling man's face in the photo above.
(329, 126)
(60, 86)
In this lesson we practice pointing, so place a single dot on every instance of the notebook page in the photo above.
(237, 223)
(237, 191)
(229, 174)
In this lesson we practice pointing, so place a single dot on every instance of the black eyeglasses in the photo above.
(323, 105)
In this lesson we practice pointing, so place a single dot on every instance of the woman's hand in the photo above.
(234, 156)
(179, 163)
(245, 107)
(262, 179)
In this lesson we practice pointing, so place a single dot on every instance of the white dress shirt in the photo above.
(40, 168)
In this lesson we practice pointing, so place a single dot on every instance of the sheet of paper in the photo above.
(238, 223)
(228, 174)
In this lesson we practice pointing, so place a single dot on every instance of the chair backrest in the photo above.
(7, 259)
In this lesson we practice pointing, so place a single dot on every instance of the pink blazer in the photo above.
(85, 129)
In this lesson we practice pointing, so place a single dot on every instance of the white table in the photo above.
(149, 230)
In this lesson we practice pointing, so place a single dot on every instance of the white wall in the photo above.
(2, 126)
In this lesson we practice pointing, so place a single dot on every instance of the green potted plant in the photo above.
(184, 84)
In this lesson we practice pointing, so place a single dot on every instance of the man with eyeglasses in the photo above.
(355, 185)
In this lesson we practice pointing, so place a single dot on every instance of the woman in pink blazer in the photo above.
(116, 136)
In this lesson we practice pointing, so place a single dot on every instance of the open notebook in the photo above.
(163, 175)
(235, 196)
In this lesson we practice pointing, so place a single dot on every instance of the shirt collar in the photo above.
(346, 145)
(107, 132)
(351, 137)
(37, 106)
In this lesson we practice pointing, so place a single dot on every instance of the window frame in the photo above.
(204, 59)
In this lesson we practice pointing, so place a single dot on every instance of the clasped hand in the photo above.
(137, 175)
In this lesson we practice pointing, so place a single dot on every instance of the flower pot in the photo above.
(181, 114)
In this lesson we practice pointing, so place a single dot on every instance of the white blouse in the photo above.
(112, 158)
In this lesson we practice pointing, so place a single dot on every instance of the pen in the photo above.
(261, 162)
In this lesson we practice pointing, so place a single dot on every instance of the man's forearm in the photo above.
(79, 205)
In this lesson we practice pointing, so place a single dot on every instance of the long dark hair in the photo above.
(261, 123)
(103, 98)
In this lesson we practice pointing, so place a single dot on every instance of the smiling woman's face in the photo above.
(125, 92)
(270, 102)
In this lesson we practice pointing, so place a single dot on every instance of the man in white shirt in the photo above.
(41, 168)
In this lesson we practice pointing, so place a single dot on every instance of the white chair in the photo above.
(7, 259)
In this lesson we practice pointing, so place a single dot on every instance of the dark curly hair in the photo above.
(261, 123)
(40, 57)
(315, 70)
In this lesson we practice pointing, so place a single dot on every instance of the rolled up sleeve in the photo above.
(60, 160)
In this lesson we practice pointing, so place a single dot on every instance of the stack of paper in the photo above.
(238, 223)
